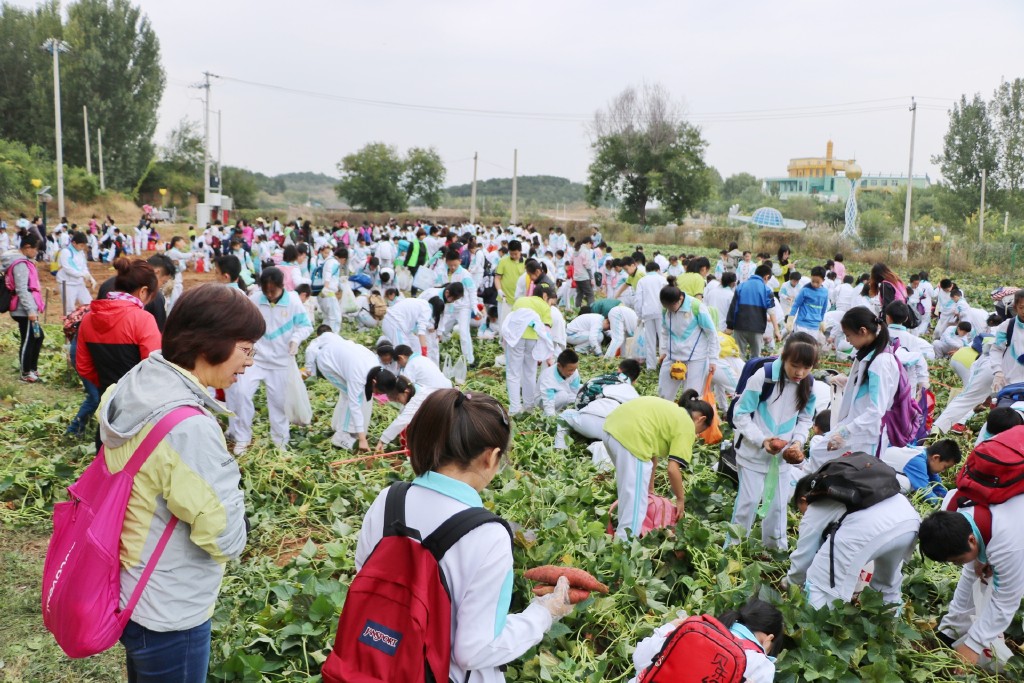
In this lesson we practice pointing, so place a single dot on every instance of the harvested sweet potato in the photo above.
(577, 577)
(575, 595)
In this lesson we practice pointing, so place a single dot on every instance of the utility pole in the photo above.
(55, 46)
(472, 193)
(99, 151)
(220, 177)
(515, 186)
(206, 137)
(981, 214)
(1006, 222)
(88, 154)
(910, 179)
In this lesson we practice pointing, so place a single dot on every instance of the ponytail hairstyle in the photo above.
(693, 403)
(862, 316)
(437, 309)
(399, 385)
(377, 380)
(452, 427)
(133, 275)
(800, 349)
(758, 616)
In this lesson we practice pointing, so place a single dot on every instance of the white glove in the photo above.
(839, 381)
(998, 382)
(293, 348)
(557, 602)
(836, 441)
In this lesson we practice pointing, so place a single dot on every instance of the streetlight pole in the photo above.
(88, 153)
(55, 46)
(910, 179)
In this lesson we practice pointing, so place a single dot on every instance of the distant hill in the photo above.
(543, 190)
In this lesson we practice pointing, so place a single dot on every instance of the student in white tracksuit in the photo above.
(689, 335)
(464, 310)
(944, 305)
(957, 537)
(346, 365)
(559, 383)
(977, 389)
(585, 332)
(328, 297)
(623, 324)
(869, 391)
(448, 294)
(287, 326)
(527, 341)
(648, 308)
(410, 396)
(74, 273)
(419, 369)
(558, 330)
(478, 568)
(884, 533)
(411, 322)
(771, 430)
(1007, 350)
(588, 421)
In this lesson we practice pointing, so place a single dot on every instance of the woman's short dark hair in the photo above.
(209, 321)
(452, 427)
(133, 275)
(30, 240)
(271, 276)
(290, 254)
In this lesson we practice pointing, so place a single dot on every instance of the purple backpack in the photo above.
(904, 421)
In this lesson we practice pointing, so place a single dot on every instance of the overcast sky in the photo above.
(783, 64)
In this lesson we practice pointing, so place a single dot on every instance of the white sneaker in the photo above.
(239, 448)
(343, 440)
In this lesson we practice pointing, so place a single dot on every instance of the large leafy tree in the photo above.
(968, 147)
(645, 151)
(378, 178)
(113, 67)
(1007, 113)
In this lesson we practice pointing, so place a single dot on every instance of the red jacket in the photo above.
(114, 336)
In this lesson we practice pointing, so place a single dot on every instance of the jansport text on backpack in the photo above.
(903, 420)
(396, 622)
(701, 649)
(858, 481)
(749, 368)
(992, 474)
(82, 570)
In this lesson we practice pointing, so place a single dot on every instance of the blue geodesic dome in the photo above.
(767, 217)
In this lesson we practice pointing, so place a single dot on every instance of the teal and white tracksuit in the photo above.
(461, 312)
(345, 365)
(689, 335)
(775, 417)
(328, 298)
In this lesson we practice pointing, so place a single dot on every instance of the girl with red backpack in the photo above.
(670, 654)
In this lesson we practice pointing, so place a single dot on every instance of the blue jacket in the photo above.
(749, 309)
(930, 485)
(810, 306)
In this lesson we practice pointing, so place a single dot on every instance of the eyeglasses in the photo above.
(250, 352)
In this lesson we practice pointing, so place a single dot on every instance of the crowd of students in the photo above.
(547, 299)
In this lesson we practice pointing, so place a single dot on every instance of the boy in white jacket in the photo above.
(648, 309)
(585, 332)
(346, 366)
(74, 273)
(559, 383)
(622, 323)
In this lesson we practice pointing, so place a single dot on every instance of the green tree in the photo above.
(371, 179)
(241, 185)
(184, 148)
(1007, 113)
(737, 183)
(968, 147)
(424, 176)
(18, 166)
(645, 151)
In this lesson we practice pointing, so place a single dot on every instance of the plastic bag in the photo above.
(296, 401)
(460, 371)
(425, 278)
(403, 280)
(446, 368)
(713, 433)
(348, 299)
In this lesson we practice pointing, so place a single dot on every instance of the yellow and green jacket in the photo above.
(190, 475)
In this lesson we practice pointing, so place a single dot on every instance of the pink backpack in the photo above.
(661, 513)
(82, 570)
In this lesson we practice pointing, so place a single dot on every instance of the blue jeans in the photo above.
(89, 404)
(171, 657)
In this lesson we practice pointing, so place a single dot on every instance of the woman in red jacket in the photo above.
(117, 333)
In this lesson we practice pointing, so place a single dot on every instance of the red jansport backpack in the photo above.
(702, 649)
(992, 474)
(82, 570)
(396, 622)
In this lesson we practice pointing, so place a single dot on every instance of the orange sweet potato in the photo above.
(575, 595)
(578, 578)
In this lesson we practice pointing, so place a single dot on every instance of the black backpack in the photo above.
(856, 480)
